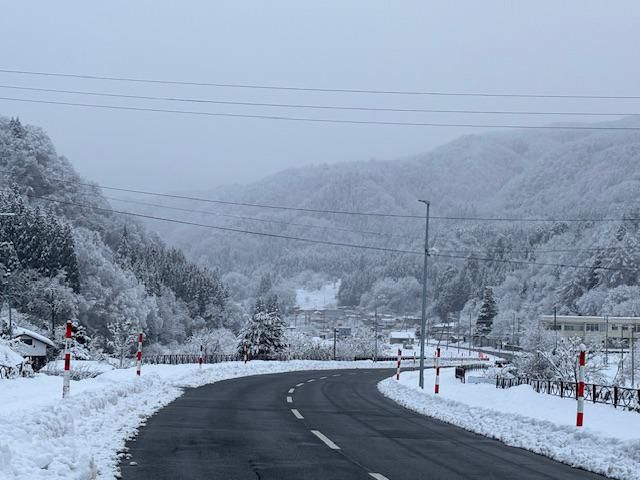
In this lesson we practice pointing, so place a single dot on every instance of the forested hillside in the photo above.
(566, 175)
(65, 255)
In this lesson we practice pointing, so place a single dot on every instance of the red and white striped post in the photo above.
(437, 365)
(67, 361)
(399, 363)
(582, 362)
(139, 355)
(200, 359)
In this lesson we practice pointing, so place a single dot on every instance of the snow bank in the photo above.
(9, 358)
(609, 443)
(44, 437)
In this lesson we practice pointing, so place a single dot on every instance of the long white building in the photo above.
(594, 329)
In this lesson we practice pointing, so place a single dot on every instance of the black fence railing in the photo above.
(627, 398)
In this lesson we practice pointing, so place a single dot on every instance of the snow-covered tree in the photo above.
(264, 332)
(122, 333)
(488, 311)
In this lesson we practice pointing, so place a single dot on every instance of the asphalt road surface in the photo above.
(327, 425)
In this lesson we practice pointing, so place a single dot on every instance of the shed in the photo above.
(34, 345)
(405, 338)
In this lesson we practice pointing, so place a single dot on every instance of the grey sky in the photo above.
(493, 46)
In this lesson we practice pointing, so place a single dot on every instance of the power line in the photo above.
(324, 120)
(316, 89)
(226, 229)
(322, 242)
(340, 212)
(310, 106)
(264, 220)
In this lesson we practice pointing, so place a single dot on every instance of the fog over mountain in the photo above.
(550, 174)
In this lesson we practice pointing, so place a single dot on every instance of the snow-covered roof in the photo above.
(9, 358)
(17, 331)
(402, 335)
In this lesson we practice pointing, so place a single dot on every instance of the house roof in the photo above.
(18, 331)
(402, 335)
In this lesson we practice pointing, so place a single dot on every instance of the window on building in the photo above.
(614, 327)
(27, 341)
(570, 328)
(593, 327)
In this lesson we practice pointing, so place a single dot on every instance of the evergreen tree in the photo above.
(488, 312)
(264, 332)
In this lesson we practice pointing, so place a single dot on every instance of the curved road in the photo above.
(340, 427)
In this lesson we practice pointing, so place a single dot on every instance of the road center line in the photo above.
(327, 442)
(335, 375)
(378, 476)
(291, 390)
(289, 400)
(297, 414)
(300, 384)
(323, 378)
(311, 380)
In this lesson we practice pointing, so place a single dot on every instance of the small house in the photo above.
(33, 345)
(402, 338)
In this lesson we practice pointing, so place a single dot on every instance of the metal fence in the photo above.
(461, 371)
(627, 398)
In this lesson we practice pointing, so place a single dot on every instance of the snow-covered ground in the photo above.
(609, 443)
(325, 297)
(45, 437)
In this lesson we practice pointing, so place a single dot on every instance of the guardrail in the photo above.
(182, 358)
(626, 398)
(461, 371)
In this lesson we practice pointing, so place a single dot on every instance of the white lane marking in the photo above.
(300, 384)
(378, 476)
(323, 378)
(312, 380)
(297, 414)
(335, 375)
(291, 390)
(289, 400)
(327, 442)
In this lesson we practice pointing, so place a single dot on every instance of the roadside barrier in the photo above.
(437, 364)
(399, 364)
(67, 361)
(461, 371)
(618, 397)
(581, 359)
(139, 355)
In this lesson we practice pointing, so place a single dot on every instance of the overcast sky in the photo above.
(553, 47)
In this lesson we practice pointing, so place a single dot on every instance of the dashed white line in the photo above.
(326, 441)
(311, 380)
(297, 414)
(291, 390)
(289, 400)
(335, 375)
(300, 384)
(378, 476)
(323, 378)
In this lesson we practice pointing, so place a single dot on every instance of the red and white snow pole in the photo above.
(67, 361)
(399, 362)
(582, 362)
(200, 359)
(139, 355)
(437, 365)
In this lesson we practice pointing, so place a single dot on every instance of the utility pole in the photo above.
(555, 329)
(7, 275)
(375, 316)
(335, 334)
(606, 339)
(424, 293)
(633, 359)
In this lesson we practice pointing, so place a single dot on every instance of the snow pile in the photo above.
(9, 358)
(45, 437)
(325, 297)
(609, 443)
